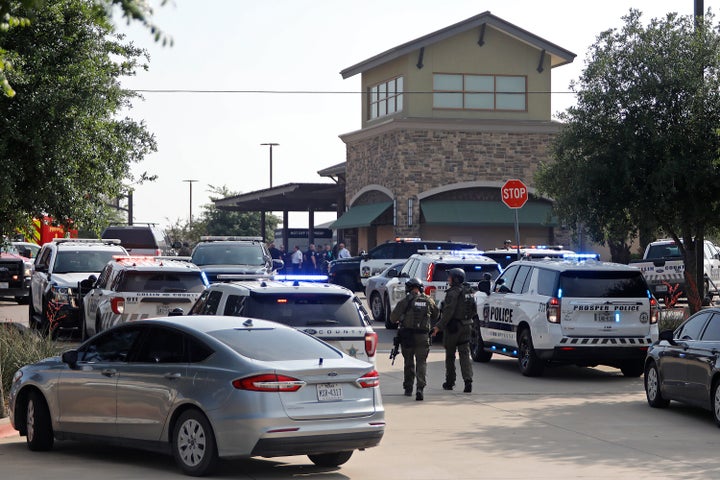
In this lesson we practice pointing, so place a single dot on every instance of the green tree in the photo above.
(63, 149)
(639, 151)
(18, 13)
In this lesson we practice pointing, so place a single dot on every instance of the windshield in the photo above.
(228, 254)
(82, 261)
(297, 309)
(595, 284)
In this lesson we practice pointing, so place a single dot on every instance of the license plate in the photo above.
(661, 288)
(163, 309)
(603, 317)
(4, 285)
(329, 392)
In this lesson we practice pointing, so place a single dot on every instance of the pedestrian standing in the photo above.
(297, 260)
(311, 260)
(326, 258)
(342, 251)
(414, 315)
(456, 328)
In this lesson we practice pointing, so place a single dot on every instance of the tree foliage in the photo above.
(19, 13)
(639, 151)
(63, 150)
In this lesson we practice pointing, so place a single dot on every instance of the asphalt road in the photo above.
(589, 423)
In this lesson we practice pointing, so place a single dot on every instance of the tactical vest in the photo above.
(417, 317)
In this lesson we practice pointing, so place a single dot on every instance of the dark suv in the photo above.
(141, 239)
(223, 258)
(353, 272)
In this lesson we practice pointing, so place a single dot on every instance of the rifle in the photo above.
(396, 348)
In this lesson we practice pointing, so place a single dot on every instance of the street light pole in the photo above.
(190, 182)
(271, 145)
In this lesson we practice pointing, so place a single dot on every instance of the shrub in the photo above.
(671, 318)
(18, 347)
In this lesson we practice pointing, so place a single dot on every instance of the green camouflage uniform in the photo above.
(456, 334)
(414, 314)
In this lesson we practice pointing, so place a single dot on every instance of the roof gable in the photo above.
(558, 56)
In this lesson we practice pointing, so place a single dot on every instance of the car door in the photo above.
(87, 393)
(498, 324)
(673, 359)
(701, 358)
(148, 384)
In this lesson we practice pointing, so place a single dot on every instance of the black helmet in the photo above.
(457, 275)
(413, 283)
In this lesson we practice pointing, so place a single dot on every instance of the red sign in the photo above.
(514, 193)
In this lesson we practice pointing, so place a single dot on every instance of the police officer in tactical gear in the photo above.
(456, 330)
(414, 314)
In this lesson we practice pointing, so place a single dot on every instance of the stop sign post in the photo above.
(514, 194)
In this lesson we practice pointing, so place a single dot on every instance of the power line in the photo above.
(304, 92)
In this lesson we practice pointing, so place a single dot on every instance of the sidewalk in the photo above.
(6, 430)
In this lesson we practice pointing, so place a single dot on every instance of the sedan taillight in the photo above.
(371, 342)
(268, 382)
(117, 304)
(369, 380)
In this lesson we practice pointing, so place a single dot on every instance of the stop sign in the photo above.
(514, 193)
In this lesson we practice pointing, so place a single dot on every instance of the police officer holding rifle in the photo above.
(414, 314)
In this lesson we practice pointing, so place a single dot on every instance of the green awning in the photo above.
(360, 215)
(485, 213)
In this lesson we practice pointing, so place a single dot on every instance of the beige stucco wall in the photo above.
(500, 55)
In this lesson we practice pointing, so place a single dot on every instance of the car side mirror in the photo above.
(70, 357)
(176, 312)
(393, 273)
(668, 336)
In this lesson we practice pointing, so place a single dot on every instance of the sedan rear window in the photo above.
(599, 284)
(275, 344)
(298, 309)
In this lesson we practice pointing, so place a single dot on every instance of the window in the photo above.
(597, 284)
(712, 331)
(692, 328)
(386, 98)
(304, 309)
(546, 282)
(505, 282)
(163, 345)
(480, 92)
(207, 304)
(114, 346)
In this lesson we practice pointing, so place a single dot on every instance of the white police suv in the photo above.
(567, 311)
(137, 287)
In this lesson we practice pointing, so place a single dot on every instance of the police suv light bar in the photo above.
(301, 278)
(581, 256)
(105, 241)
(228, 238)
(244, 276)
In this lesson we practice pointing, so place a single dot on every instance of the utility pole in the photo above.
(190, 182)
(263, 226)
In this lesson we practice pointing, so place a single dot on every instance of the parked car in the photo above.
(209, 387)
(683, 365)
(55, 299)
(134, 288)
(142, 239)
(376, 292)
(329, 312)
(16, 267)
(225, 258)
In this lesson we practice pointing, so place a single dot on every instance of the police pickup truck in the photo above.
(354, 272)
(664, 269)
(586, 313)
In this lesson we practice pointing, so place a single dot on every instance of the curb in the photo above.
(6, 430)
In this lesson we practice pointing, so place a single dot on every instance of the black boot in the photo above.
(448, 386)
(468, 387)
(408, 392)
(419, 395)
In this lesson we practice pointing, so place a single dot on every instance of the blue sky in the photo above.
(301, 45)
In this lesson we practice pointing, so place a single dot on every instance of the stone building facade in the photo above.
(431, 163)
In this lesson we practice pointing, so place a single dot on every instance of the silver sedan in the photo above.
(203, 388)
